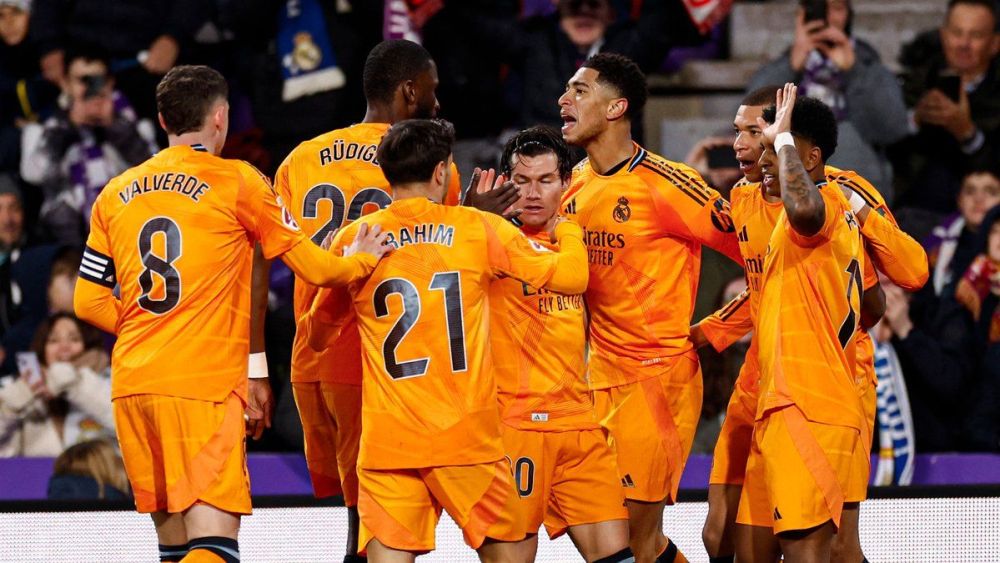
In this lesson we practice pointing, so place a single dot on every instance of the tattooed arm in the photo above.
(804, 205)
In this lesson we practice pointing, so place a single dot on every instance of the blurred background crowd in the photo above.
(914, 83)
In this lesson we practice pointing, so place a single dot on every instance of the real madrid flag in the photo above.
(308, 64)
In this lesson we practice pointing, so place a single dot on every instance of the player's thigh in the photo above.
(729, 458)
(480, 498)
(756, 544)
(585, 486)
(203, 520)
(723, 504)
(813, 545)
(344, 402)
(600, 539)
(397, 508)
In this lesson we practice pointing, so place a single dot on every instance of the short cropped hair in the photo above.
(622, 74)
(813, 121)
(536, 141)
(413, 147)
(185, 96)
(988, 4)
(391, 63)
(763, 96)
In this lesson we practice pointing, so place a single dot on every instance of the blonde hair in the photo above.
(97, 459)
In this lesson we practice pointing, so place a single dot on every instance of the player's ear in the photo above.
(617, 108)
(815, 158)
(163, 124)
(409, 92)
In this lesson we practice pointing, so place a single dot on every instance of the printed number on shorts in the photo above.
(167, 231)
(450, 284)
(854, 282)
(524, 475)
(333, 194)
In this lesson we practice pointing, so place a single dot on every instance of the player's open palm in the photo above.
(784, 103)
(370, 240)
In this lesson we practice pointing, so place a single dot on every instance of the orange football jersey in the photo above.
(644, 224)
(176, 234)
(539, 342)
(327, 182)
(429, 396)
(808, 317)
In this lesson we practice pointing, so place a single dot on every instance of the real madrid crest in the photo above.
(306, 55)
(622, 212)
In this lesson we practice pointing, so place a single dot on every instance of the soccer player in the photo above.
(564, 470)
(645, 220)
(754, 215)
(167, 269)
(430, 433)
(328, 182)
(809, 417)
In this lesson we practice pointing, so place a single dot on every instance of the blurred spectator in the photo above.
(71, 403)
(90, 470)
(713, 158)
(951, 246)
(934, 341)
(24, 94)
(143, 39)
(952, 85)
(845, 72)
(24, 275)
(719, 370)
(273, 39)
(62, 280)
(77, 151)
(979, 289)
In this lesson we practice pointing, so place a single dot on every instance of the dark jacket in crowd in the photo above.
(24, 96)
(931, 163)
(543, 57)
(81, 487)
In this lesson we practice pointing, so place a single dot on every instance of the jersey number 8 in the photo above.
(162, 266)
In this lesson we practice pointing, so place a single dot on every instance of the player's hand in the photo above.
(370, 240)
(698, 337)
(836, 46)
(162, 55)
(328, 239)
(552, 232)
(935, 108)
(805, 40)
(492, 193)
(783, 116)
(897, 310)
(260, 407)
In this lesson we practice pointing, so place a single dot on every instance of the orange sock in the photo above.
(202, 556)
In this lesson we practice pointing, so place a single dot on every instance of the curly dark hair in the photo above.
(622, 74)
(413, 147)
(813, 121)
(536, 141)
(91, 336)
(390, 63)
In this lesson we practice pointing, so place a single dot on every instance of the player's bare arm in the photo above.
(803, 203)
(872, 306)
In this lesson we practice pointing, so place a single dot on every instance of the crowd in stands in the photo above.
(77, 108)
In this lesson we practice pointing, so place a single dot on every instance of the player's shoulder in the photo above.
(744, 190)
(664, 175)
(856, 183)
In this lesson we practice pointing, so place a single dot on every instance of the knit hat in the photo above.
(8, 185)
(23, 5)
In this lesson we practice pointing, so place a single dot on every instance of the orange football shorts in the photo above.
(331, 428)
(729, 460)
(181, 451)
(857, 490)
(651, 425)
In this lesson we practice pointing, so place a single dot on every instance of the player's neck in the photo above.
(424, 190)
(194, 138)
(380, 114)
(610, 148)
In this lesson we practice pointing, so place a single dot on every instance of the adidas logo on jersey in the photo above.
(628, 482)
(777, 515)
(539, 417)
(570, 208)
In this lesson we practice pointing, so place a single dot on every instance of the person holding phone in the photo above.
(846, 73)
(952, 86)
(73, 154)
(62, 393)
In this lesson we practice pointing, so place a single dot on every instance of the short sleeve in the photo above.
(262, 212)
(512, 254)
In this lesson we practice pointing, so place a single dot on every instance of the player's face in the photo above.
(771, 178)
(540, 185)
(968, 38)
(64, 342)
(748, 144)
(11, 220)
(979, 193)
(425, 86)
(584, 107)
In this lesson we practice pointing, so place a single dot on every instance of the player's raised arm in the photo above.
(804, 206)
(93, 299)
(725, 326)
(512, 254)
